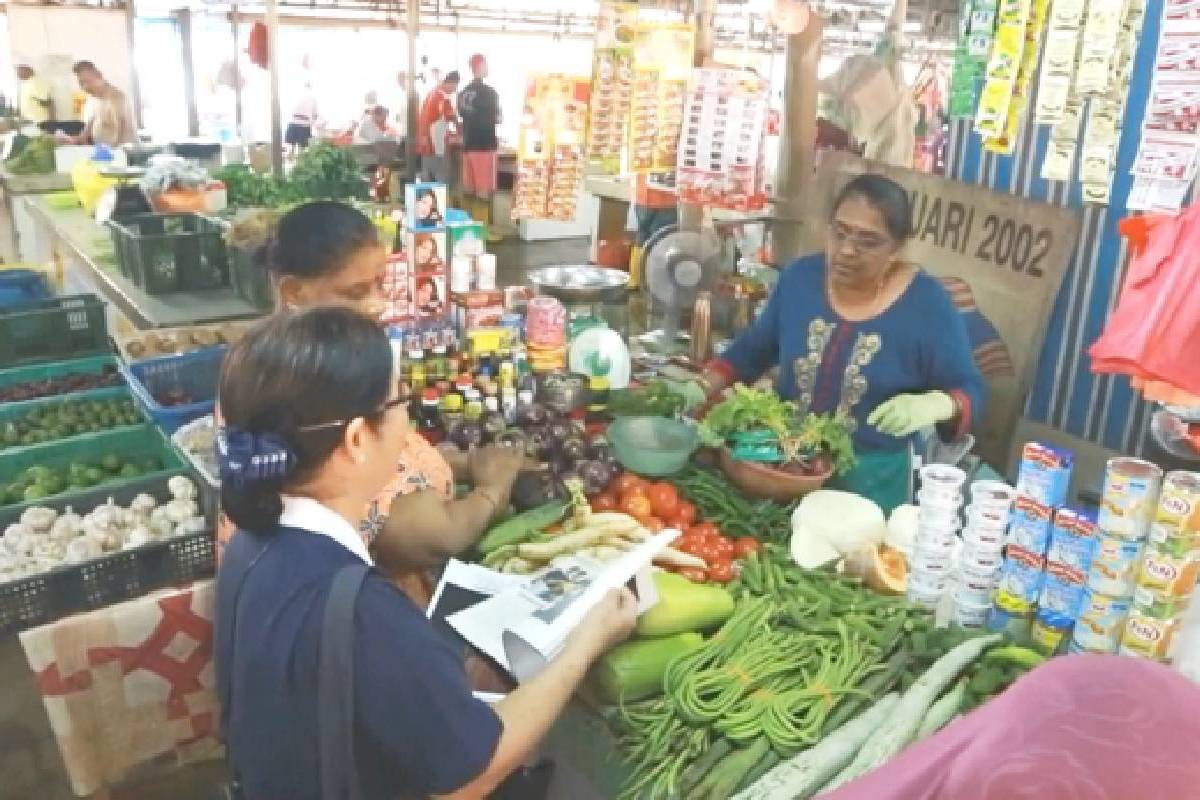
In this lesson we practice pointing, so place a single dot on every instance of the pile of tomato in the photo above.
(657, 505)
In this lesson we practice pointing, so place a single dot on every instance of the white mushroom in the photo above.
(182, 488)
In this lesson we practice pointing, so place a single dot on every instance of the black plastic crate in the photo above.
(53, 330)
(114, 577)
(164, 253)
(250, 279)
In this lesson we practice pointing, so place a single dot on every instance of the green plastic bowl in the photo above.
(652, 445)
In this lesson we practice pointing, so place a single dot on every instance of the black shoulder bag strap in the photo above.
(335, 688)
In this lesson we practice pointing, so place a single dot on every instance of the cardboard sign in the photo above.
(1002, 259)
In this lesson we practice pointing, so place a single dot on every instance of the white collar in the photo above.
(311, 515)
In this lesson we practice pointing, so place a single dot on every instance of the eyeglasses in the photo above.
(862, 242)
(337, 423)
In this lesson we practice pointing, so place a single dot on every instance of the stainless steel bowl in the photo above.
(581, 283)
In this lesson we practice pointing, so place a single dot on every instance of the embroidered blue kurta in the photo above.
(829, 364)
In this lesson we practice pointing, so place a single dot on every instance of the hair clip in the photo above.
(244, 457)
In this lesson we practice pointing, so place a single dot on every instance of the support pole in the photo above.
(273, 63)
(692, 217)
(135, 92)
(798, 145)
(237, 75)
(183, 18)
(412, 24)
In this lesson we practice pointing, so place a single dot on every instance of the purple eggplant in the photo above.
(573, 448)
(595, 475)
(531, 415)
(467, 435)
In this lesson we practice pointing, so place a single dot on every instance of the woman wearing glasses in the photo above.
(332, 682)
(860, 331)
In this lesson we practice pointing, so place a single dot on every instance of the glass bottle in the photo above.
(452, 410)
(493, 419)
(508, 404)
(430, 424)
(436, 363)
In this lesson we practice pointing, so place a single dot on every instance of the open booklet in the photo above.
(527, 619)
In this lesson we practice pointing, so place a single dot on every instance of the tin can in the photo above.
(1179, 504)
(1029, 528)
(1130, 497)
(1175, 541)
(1101, 622)
(1061, 594)
(1045, 474)
(1115, 564)
(992, 495)
(1148, 637)
(1020, 581)
(969, 612)
(1050, 632)
(977, 586)
(1072, 541)
(1167, 574)
(1157, 605)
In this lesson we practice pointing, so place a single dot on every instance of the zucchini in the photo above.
(901, 725)
(944, 710)
(520, 527)
(802, 775)
(634, 670)
(684, 606)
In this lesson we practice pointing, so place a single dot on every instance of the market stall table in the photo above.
(73, 242)
(14, 220)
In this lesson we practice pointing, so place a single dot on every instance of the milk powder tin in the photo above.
(1072, 541)
(1020, 581)
(1115, 565)
(1045, 474)
(1179, 504)
(1130, 498)
(1029, 528)
(1169, 539)
(1101, 622)
(1159, 606)
(1167, 574)
(1149, 637)
(1061, 595)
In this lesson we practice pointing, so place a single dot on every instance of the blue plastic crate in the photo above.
(21, 286)
(193, 375)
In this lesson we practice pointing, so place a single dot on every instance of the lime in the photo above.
(93, 476)
(35, 492)
(111, 463)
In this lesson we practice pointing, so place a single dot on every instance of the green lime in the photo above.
(111, 463)
(35, 492)
(130, 471)
(93, 476)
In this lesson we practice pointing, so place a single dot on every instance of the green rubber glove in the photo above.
(906, 414)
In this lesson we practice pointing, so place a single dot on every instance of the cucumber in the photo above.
(802, 775)
(944, 710)
(522, 526)
(901, 726)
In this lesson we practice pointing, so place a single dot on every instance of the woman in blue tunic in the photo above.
(857, 330)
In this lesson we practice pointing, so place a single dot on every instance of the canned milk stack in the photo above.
(939, 503)
(1167, 574)
(1043, 481)
(1068, 561)
(1127, 507)
(979, 561)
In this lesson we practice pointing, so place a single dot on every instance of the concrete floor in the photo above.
(30, 765)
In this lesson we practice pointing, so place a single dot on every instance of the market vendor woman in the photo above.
(859, 331)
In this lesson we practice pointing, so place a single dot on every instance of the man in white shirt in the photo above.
(374, 127)
(111, 119)
(36, 103)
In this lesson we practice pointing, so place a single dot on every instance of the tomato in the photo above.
(746, 545)
(664, 498)
(690, 544)
(686, 512)
(652, 524)
(604, 501)
(710, 552)
(705, 529)
(636, 505)
(627, 482)
(694, 574)
(720, 571)
(554, 530)
(677, 522)
(725, 547)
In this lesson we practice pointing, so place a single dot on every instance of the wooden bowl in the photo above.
(767, 483)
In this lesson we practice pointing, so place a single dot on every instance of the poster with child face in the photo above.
(397, 292)
(425, 204)
(427, 260)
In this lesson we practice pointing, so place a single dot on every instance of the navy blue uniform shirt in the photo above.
(418, 729)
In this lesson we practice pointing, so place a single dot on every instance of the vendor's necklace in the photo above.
(872, 309)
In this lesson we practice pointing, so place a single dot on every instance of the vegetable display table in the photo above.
(14, 221)
(77, 246)
(129, 683)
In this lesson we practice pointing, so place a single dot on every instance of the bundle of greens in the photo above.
(246, 188)
(36, 158)
(325, 170)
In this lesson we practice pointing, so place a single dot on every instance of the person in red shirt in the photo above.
(437, 121)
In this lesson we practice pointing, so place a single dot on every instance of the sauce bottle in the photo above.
(452, 410)
(493, 420)
(430, 424)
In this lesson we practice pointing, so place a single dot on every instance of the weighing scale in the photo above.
(126, 198)
(593, 296)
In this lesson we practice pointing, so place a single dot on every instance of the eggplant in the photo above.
(573, 448)
(559, 430)
(595, 475)
(532, 489)
(467, 435)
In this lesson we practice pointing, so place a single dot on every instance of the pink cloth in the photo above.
(1083, 727)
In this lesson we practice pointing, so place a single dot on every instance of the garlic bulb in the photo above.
(67, 526)
(106, 516)
(178, 510)
(160, 522)
(81, 549)
(17, 532)
(142, 505)
(182, 488)
(39, 518)
(137, 537)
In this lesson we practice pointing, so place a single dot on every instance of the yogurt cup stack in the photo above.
(982, 554)
(938, 522)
